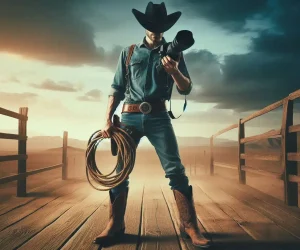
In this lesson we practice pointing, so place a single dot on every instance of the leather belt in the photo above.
(144, 107)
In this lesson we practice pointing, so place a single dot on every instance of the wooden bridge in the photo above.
(65, 213)
(68, 214)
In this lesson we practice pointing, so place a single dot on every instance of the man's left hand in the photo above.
(170, 65)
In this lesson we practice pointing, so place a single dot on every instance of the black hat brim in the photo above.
(153, 26)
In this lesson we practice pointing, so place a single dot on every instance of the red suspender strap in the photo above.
(129, 57)
(127, 71)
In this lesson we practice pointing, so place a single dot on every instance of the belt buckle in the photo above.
(145, 107)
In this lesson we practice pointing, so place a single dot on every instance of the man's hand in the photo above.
(106, 132)
(170, 65)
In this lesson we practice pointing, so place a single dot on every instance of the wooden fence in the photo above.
(22, 156)
(288, 155)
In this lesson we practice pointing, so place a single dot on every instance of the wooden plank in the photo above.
(262, 156)
(157, 230)
(263, 111)
(12, 114)
(280, 217)
(225, 231)
(15, 202)
(222, 165)
(21, 212)
(293, 156)
(33, 226)
(294, 95)
(84, 236)
(23, 175)
(259, 172)
(260, 227)
(233, 126)
(10, 178)
(241, 151)
(272, 133)
(294, 128)
(12, 136)
(13, 157)
(68, 223)
(40, 170)
(288, 145)
(293, 211)
(185, 244)
(294, 178)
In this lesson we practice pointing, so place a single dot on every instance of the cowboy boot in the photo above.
(188, 219)
(116, 224)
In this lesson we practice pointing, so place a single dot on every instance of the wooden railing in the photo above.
(288, 155)
(22, 156)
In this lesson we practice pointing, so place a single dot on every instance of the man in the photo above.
(147, 84)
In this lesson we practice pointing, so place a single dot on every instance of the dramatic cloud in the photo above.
(59, 86)
(15, 100)
(10, 79)
(231, 14)
(93, 95)
(52, 31)
(267, 73)
(63, 32)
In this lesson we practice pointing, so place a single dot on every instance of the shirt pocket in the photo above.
(136, 67)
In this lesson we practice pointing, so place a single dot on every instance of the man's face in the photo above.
(154, 37)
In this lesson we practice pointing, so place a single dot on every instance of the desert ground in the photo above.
(195, 160)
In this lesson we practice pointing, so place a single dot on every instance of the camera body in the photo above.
(183, 40)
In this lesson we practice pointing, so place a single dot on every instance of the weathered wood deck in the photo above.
(69, 214)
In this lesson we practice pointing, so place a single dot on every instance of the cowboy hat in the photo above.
(155, 18)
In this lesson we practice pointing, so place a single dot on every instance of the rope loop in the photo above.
(126, 158)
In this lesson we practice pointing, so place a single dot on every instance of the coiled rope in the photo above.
(126, 157)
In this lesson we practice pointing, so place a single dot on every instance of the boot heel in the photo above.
(184, 235)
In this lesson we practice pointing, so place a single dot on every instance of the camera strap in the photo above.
(185, 102)
(170, 111)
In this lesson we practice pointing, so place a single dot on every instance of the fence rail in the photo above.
(22, 156)
(288, 155)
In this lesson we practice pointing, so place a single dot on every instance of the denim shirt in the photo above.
(145, 84)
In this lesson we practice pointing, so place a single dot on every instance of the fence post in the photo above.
(21, 183)
(195, 165)
(64, 156)
(241, 150)
(212, 155)
(289, 145)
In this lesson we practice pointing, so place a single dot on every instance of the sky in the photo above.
(58, 58)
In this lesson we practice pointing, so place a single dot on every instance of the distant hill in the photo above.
(39, 143)
(201, 141)
(269, 143)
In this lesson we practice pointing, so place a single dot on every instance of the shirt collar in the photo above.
(143, 44)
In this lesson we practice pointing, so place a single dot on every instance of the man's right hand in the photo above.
(106, 132)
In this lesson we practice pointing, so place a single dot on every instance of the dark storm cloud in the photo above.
(230, 14)
(53, 31)
(63, 32)
(251, 81)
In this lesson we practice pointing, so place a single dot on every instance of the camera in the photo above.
(183, 40)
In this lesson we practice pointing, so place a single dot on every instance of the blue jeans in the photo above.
(159, 131)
